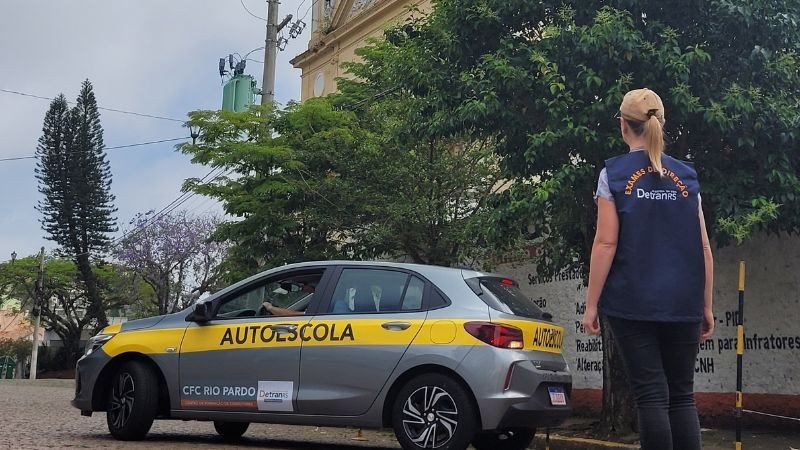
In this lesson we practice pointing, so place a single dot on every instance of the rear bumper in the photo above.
(524, 401)
(537, 412)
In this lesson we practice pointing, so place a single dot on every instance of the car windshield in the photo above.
(509, 296)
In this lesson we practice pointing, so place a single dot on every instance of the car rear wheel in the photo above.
(132, 401)
(231, 430)
(512, 439)
(434, 411)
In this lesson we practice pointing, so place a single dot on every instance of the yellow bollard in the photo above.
(739, 357)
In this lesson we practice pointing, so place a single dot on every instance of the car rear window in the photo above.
(507, 297)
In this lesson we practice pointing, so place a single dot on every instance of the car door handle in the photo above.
(284, 328)
(396, 326)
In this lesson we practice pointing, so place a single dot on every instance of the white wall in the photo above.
(771, 311)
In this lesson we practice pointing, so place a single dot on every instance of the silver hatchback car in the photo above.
(446, 357)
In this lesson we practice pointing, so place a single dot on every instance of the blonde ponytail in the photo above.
(654, 137)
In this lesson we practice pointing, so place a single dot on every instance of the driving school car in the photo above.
(444, 356)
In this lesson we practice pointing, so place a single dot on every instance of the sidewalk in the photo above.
(573, 436)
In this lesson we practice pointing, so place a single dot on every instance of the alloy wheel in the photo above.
(430, 417)
(121, 400)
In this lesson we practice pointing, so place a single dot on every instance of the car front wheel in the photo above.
(513, 439)
(132, 401)
(434, 411)
(231, 430)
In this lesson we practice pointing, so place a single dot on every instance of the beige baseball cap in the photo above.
(641, 104)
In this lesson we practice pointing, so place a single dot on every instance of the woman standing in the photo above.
(651, 274)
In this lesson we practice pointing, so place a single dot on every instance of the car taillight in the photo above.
(496, 335)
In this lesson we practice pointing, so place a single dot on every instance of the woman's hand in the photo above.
(591, 323)
(708, 325)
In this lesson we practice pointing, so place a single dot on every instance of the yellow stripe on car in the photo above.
(112, 329)
(291, 333)
(539, 336)
(148, 342)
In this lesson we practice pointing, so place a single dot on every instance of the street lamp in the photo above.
(194, 133)
(13, 257)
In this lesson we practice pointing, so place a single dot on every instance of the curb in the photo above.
(558, 442)
(41, 382)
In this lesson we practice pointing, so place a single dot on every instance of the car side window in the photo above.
(290, 291)
(240, 305)
(361, 291)
(412, 300)
(437, 300)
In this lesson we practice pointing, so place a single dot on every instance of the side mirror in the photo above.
(201, 313)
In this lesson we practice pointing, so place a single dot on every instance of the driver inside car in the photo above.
(307, 288)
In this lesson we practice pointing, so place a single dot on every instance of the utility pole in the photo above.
(270, 54)
(39, 301)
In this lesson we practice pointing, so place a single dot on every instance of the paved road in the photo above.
(38, 416)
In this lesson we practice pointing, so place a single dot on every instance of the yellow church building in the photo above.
(338, 28)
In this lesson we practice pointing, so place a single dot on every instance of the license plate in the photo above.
(557, 396)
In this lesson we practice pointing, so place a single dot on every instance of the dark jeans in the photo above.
(659, 360)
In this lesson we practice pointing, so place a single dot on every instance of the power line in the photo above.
(249, 12)
(373, 97)
(171, 206)
(297, 13)
(253, 50)
(122, 111)
(138, 144)
(309, 10)
(148, 222)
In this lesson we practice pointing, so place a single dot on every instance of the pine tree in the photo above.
(75, 180)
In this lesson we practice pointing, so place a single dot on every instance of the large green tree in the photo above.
(75, 182)
(544, 79)
(336, 178)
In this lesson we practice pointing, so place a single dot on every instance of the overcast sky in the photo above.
(156, 57)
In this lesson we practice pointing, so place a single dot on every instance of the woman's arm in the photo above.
(603, 251)
(708, 294)
(277, 311)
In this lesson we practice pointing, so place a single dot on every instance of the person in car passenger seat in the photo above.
(651, 274)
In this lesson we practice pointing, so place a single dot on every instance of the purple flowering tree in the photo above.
(173, 253)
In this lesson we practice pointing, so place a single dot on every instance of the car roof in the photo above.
(428, 271)
(422, 269)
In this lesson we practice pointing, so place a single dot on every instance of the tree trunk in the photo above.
(72, 346)
(95, 310)
(619, 410)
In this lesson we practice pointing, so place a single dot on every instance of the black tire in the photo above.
(132, 401)
(434, 411)
(512, 439)
(231, 431)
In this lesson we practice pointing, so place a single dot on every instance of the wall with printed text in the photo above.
(771, 321)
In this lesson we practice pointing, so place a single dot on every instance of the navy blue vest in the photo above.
(658, 273)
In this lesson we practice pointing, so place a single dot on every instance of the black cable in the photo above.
(248, 11)
(171, 206)
(309, 10)
(297, 13)
(253, 50)
(139, 144)
(8, 91)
